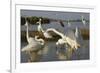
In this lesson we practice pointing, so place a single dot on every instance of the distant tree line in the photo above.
(34, 19)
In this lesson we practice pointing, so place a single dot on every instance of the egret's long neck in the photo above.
(41, 27)
(60, 34)
(40, 40)
(76, 32)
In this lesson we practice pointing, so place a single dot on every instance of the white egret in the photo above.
(39, 26)
(34, 44)
(45, 33)
(65, 40)
(67, 45)
(35, 47)
(69, 24)
(76, 32)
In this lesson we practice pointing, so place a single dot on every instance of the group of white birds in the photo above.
(36, 43)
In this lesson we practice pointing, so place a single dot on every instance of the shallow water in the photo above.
(80, 54)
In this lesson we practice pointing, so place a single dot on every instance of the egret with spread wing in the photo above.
(72, 43)
(67, 42)
(64, 39)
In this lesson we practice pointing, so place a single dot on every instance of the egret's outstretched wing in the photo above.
(48, 34)
(54, 32)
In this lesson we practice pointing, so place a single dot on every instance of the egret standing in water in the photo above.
(40, 29)
(64, 39)
(76, 32)
(69, 24)
(34, 44)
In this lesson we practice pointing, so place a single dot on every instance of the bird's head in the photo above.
(40, 19)
(26, 21)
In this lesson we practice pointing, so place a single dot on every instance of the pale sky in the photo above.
(54, 14)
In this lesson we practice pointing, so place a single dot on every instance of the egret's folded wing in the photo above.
(53, 32)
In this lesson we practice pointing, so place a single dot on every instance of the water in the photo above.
(80, 54)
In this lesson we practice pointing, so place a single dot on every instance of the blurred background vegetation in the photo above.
(34, 19)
